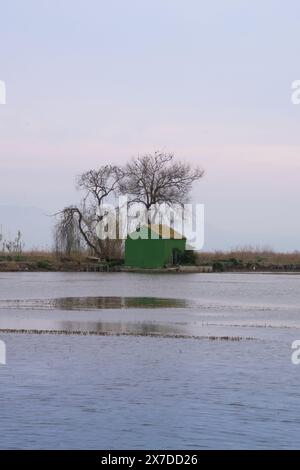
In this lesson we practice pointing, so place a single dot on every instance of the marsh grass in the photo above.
(248, 256)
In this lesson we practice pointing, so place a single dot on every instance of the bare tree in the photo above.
(67, 236)
(149, 179)
(158, 178)
(78, 224)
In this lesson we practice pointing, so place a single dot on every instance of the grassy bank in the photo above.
(236, 260)
(41, 261)
(250, 260)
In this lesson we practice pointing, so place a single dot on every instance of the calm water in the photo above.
(149, 361)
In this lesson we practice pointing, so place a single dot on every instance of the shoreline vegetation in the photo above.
(242, 260)
(153, 186)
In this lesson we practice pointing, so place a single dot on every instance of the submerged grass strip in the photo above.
(152, 335)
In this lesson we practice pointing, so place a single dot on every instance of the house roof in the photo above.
(163, 231)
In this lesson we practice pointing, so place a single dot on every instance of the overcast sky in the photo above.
(93, 82)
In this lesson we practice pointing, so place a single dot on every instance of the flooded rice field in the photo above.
(123, 360)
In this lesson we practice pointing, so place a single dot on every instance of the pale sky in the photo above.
(93, 82)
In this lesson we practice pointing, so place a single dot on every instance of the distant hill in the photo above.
(35, 224)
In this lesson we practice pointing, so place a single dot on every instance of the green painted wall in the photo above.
(151, 253)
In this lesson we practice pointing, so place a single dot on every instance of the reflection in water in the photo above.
(94, 303)
(46, 323)
(122, 328)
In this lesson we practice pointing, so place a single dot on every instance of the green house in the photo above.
(154, 246)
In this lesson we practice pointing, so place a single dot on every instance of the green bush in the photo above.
(235, 261)
(43, 264)
(116, 262)
(19, 257)
(188, 258)
(218, 266)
